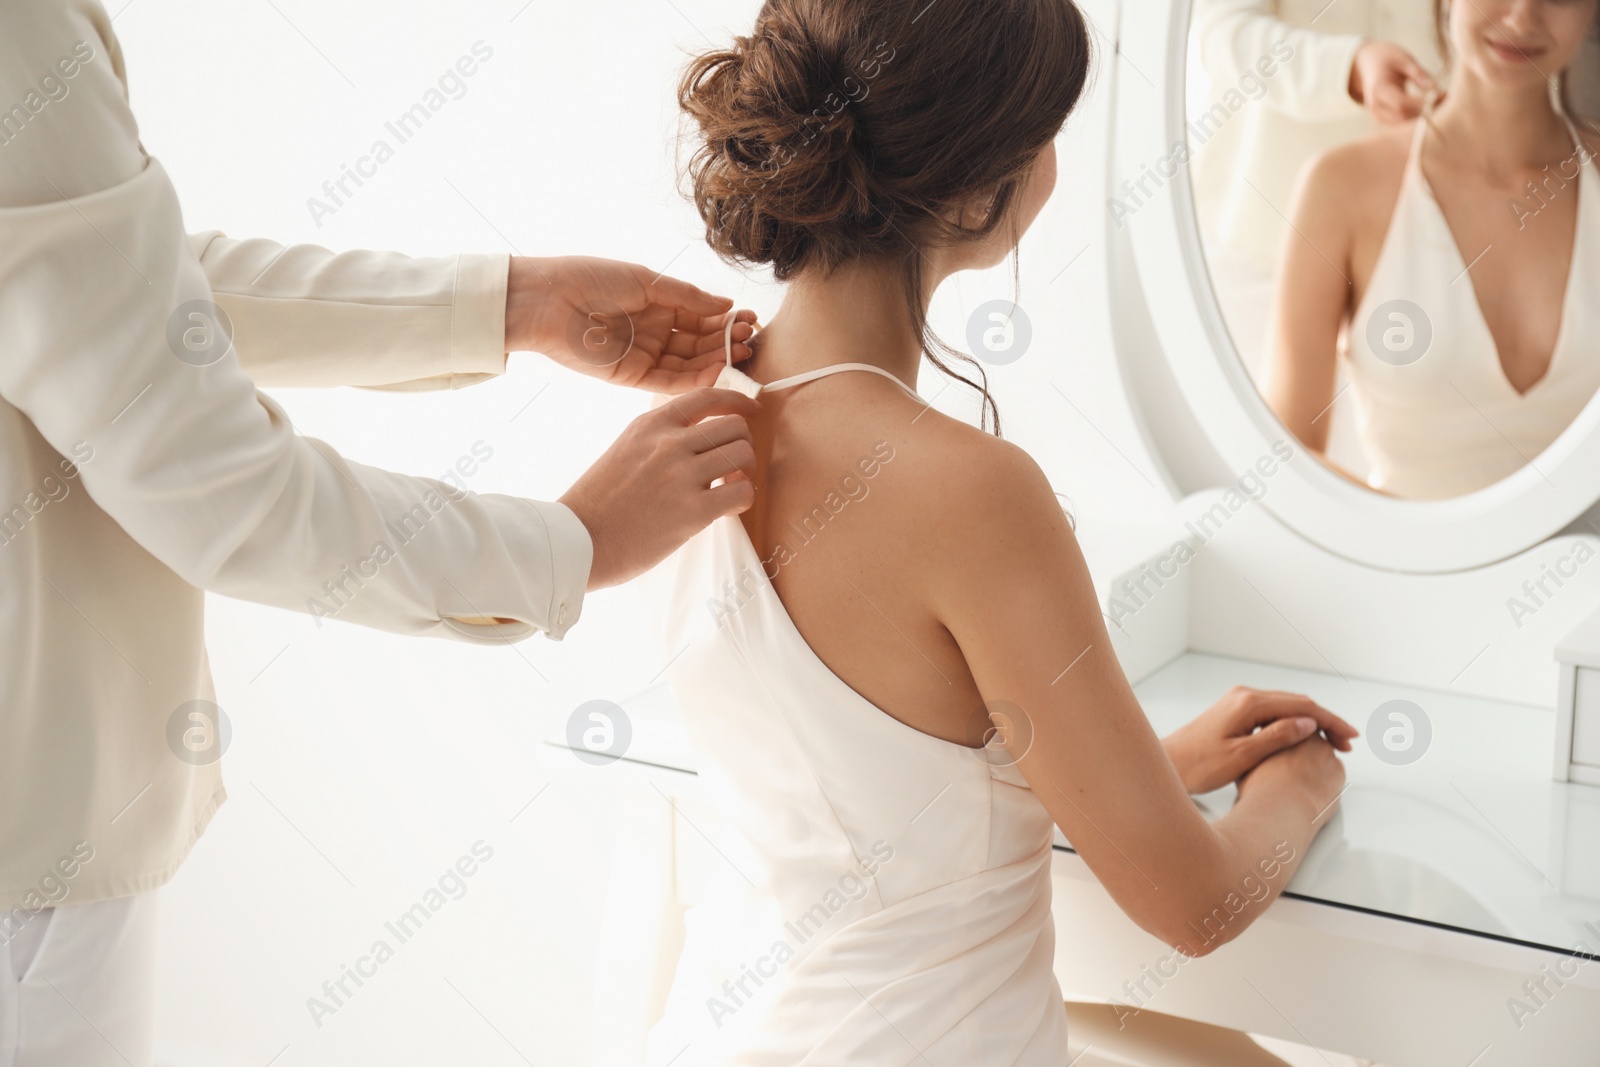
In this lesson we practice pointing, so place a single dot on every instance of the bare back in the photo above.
(849, 520)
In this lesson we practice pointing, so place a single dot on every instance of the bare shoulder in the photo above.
(1366, 171)
(942, 490)
(980, 529)
(952, 521)
(970, 492)
(1377, 155)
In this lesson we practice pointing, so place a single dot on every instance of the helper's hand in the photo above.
(1247, 726)
(1389, 82)
(652, 491)
(620, 322)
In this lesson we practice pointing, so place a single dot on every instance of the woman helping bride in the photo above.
(898, 679)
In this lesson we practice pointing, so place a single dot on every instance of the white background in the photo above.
(363, 765)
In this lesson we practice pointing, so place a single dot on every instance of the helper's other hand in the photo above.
(620, 322)
(1228, 740)
(1389, 82)
(652, 490)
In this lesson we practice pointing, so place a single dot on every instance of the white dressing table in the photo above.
(1436, 893)
(1432, 896)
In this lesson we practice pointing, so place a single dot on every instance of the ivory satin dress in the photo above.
(886, 898)
(1435, 412)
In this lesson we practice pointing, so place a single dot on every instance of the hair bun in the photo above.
(770, 175)
(849, 131)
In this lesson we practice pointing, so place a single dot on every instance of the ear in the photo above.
(975, 212)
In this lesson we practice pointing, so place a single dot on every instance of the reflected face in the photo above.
(1514, 43)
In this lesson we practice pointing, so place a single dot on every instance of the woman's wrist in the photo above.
(1283, 798)
(1178, 751)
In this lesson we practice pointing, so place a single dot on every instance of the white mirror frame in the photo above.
(1149, 120)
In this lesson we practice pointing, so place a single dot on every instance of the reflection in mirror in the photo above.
(1400, 205)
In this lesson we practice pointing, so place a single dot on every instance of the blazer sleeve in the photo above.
(98, 281)
(305, 316)
(1310, 79)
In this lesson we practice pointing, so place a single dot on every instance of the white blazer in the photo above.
(132, 479)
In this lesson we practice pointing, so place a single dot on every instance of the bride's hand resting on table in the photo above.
(620, 322)
(1229, 739)
(1309, 773)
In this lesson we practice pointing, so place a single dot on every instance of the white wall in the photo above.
(363, 765)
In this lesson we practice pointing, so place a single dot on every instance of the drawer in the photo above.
(1586, 718)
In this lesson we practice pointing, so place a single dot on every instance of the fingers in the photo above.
(709, 327)
(744, 328)
(1262, 708)
(1392, 104)
(707, 376)
(700, 374)
(1414, 90)
(718, 432)
(1385, 104)
(725, 448)
(674, 293)
(693, 408)
(711, 344)
(729, 498)
(738, 457)
(1339, 732)
(1416, 73)
(741, 352)
(1386, 74)
(1274, 738)
(693, 337)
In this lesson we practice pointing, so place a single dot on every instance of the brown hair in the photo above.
(844, 130)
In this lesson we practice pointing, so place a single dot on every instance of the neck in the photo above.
(857, 314)
(1502, 131)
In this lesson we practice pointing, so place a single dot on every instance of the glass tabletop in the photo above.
(1451, 817)
(1456, 824)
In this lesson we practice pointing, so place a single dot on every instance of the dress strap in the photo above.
(1424, 121)
(837, 368)
(734, 378)
(1579, 145)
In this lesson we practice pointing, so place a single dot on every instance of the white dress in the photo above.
(1435, 412)
(888, 894)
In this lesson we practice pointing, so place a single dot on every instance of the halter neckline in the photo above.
(1430, 104)
(737, 380)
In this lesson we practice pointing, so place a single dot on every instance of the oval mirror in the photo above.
(1413, 284)
(1406, 294)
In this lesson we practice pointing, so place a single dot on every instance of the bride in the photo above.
(897, 679)
(1459, 256)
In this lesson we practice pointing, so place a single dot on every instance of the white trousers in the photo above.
(77, 985)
